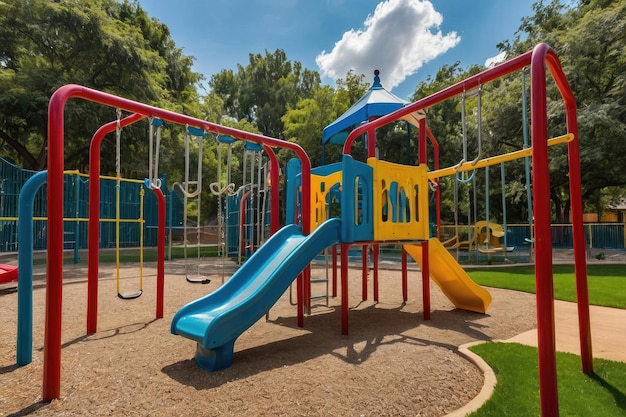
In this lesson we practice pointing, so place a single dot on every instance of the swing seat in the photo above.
(229, 189)
(487, 249)
(451, 243)
(492, 249)
(130, 295)
(198, 279)
(490, 239)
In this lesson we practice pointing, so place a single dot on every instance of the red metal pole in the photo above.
(364, 272)
(160, 251)
(54, 278)
(426, 279)
(274, 191)
(543, 237)
(375, 247)
(335, 271)
(405, 277)
(580, 257)
(300, 297)
(344, 288)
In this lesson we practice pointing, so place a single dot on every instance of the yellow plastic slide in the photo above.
(451, 278)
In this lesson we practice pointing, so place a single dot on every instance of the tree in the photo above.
(103, 44)
(595, 63)
(305, 122)
(590, 41)
(262, 91)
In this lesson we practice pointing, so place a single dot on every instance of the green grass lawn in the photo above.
(132, 255)
(517, 391)
(607, 282)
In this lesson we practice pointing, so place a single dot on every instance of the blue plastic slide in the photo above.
(218, 319)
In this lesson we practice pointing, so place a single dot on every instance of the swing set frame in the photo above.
(54, 276)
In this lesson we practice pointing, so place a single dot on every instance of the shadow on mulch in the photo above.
(372, 326)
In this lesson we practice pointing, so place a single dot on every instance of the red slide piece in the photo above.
(8, 273)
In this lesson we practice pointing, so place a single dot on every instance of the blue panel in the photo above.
(251, 146)
(195, 131)
(357, 227)
(294, 180)
(327, 169)
(226, 139)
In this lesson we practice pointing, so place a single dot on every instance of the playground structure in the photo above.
(379, 202)
(542, 57)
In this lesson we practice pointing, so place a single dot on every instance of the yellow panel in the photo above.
(400, 201)
(320, 186)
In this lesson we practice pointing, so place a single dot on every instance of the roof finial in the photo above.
(377, 79)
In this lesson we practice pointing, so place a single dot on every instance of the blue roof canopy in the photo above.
(376, 102)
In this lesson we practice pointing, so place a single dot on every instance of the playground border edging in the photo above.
(489, 382)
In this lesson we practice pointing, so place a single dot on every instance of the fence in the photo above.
(597, 235)
(76, 200)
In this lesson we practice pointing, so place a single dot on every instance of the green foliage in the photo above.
(103, 44)
(114, 46)
(602, 393)
(262, 91)
(590, 41)
(305, 122)
(134, 255)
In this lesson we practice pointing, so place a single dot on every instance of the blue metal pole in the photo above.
(25, 267)
(170, 199)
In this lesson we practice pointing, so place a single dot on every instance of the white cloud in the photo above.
(400, 37)
(495, 60)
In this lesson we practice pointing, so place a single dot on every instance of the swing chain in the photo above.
(118, 140)
(153, 164)
(479, 127)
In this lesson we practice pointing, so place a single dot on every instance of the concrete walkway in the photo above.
(608, 331)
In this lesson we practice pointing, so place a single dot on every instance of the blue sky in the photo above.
(408, 40)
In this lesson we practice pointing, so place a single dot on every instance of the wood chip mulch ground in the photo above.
(393, 363)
